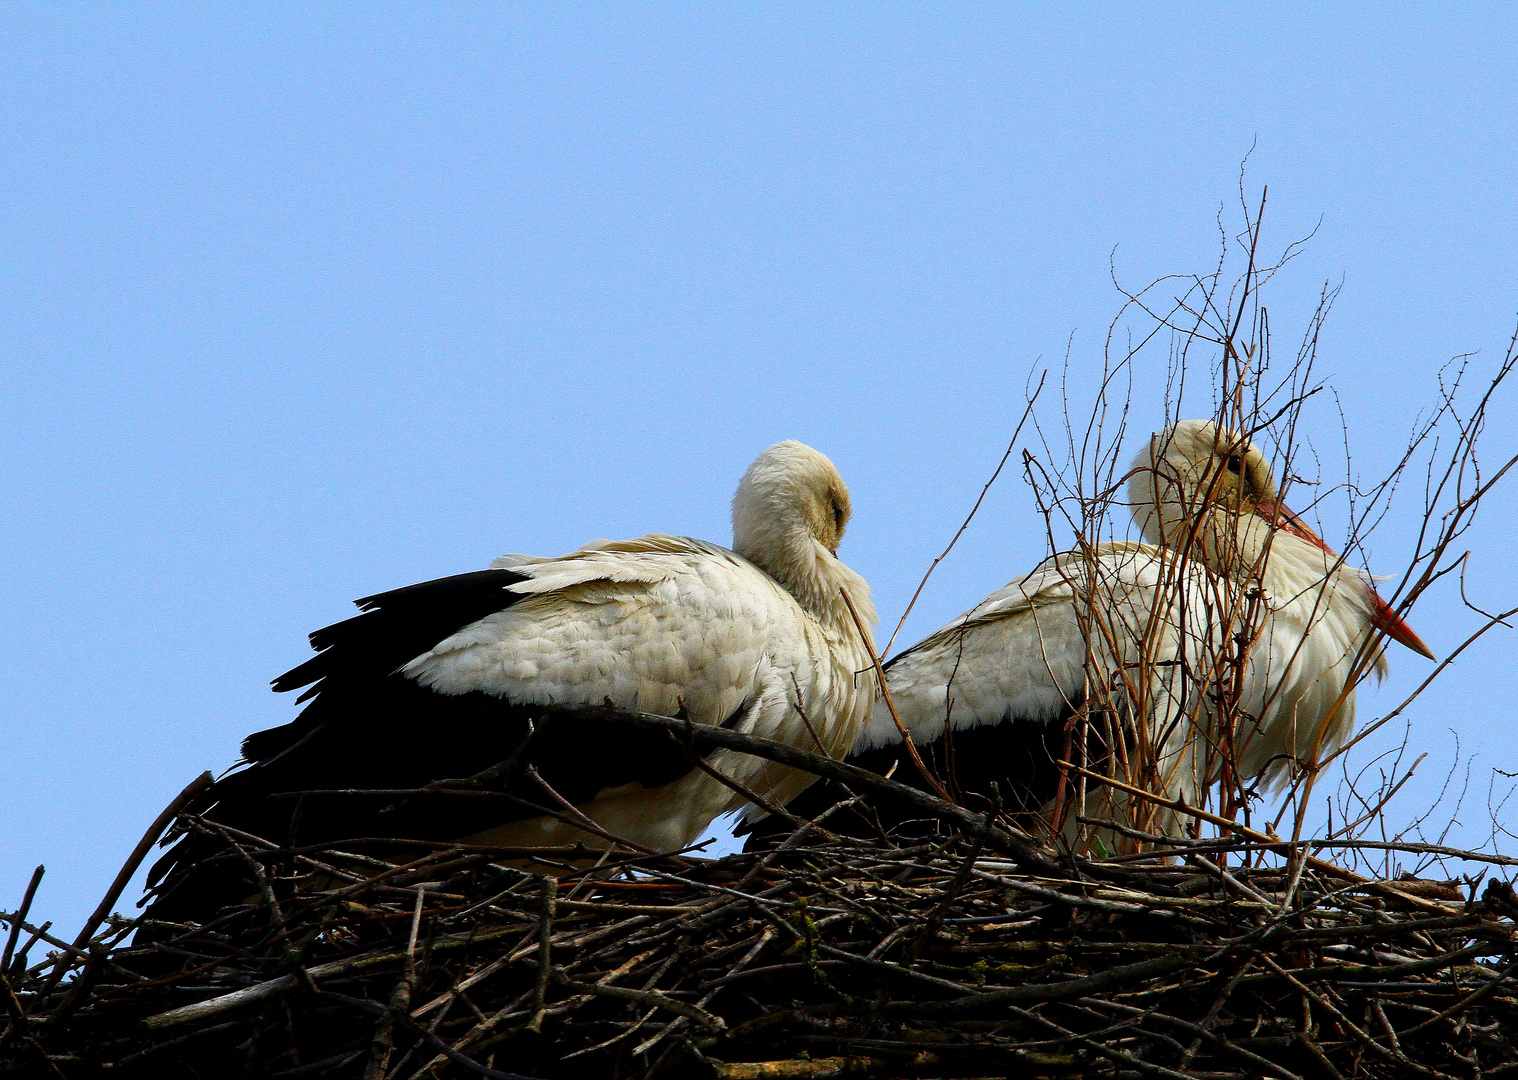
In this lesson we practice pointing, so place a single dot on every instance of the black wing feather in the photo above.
(1016, 754)
(366, 726)
(399, 625)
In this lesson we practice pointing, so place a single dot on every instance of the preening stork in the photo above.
(447, 678)
(1231, 634)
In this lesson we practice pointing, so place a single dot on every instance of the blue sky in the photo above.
(298, 303)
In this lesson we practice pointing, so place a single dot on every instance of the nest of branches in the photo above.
(964, 952)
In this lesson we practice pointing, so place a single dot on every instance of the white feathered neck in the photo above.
(789, 515)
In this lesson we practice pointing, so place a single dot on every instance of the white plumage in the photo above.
(1232, 633)
(999, 683)
(663, 622)
(447, 678)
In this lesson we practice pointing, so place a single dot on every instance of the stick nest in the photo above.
(825, 957)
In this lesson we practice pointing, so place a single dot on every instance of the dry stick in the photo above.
(383, 1044)
(712, 990)
(1268, 842)
(1382, 972)
(603, 984)
(124, 875)
(1221, 1000)
(39, 933)
(400, 1000)
(158, 1048)
(266, 889)
(971, 515)
(940, 866)
(799, 1068)
(1228, 879)
(458, 988)
(1100, 1048)
(258, 992)
(36, 934)
(88, 976)
(545, 954)
(646, 997)
(21, 912)
(474, 1034)
(1126, 976)
(885, 692)
(805, 719)
(1188, 847)
(921, 897)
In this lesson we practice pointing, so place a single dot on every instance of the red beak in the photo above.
(1382, 617)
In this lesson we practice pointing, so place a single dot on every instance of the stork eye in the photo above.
(1235, 464)
(837, 515)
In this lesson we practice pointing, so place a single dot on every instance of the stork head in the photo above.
(1204, 488)
(1192, 469)
(788, 518)
(791, 495)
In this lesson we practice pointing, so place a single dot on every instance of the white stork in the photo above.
(446, 678)
(1233, 628)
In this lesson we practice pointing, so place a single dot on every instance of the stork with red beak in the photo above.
(1204, 489)
(1231, 639)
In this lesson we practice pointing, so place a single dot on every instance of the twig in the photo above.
(124, 875)
(1011, 443)
(545, 954)
(400, 1003)
(16, 920)
(885, 693)
(646, 997)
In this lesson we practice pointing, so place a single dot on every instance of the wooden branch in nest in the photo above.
(932, 957)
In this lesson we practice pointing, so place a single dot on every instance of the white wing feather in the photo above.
(663, 624)
(1022, 653)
